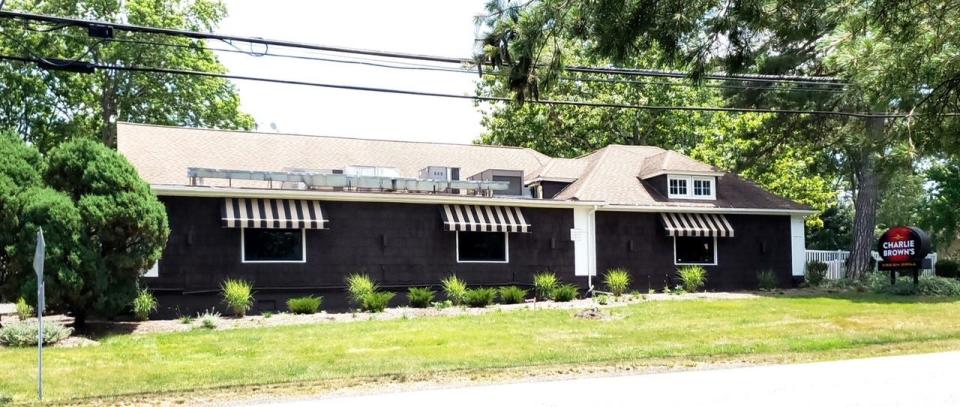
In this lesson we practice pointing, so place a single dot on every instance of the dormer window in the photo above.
(691, 187)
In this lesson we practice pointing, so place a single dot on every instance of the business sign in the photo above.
(903, 248)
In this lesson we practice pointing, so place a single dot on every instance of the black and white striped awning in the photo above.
(696, 224)
(482, 218)
(272, 214)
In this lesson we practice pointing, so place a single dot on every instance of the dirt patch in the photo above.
(592, 314)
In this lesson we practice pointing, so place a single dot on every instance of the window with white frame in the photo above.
(273, 245)
(691, 187)
(694, 250)
(482, 247)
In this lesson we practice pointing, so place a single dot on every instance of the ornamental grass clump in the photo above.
(692, 278)
(544, 284)
(358, 286)
(420, 297)
(238, 296)
(512, 295)
(565, 293)
(304, 305)
(376, 301)
(767, 280)
(480, 297)
(24, 310)
(209, 319)
(144, 304)
(617, 281)
(20, 334)
(455, 289)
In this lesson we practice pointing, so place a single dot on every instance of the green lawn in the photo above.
(667, 332)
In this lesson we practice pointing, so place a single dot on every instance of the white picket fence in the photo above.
(836, 261)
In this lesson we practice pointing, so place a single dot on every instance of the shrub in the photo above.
(238, 295)
(144, 305)
(480, 297)
(420, 297)
(186, 320)
(304, 305)
(267, 315)
(617, 281)
(816, 273)
(209, 319)
(512, 295)
(602, 299)
(25, 333)
(376, 301)
(455, 289)
(544, 285)
(927, 286)
(565, 292)
(358, 287)
(692, 278)
(948, 268)
(767, 280)
(24, 310)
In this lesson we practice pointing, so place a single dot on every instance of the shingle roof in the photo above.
(614, 174)
(671, 161)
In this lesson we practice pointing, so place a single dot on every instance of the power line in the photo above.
(826, 81)
(83, 66)
(464, 70)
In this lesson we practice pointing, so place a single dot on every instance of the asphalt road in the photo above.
(929, 380)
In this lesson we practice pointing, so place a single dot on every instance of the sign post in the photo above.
(903, 248)
(38, 257)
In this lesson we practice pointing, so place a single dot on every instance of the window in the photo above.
(690, 187)
(482, 247)
(273, 245)
(695, 250)
(678, 186)
(702, 187)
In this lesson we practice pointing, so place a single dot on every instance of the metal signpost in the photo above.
(38, 267)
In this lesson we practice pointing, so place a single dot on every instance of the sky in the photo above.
(434, 27)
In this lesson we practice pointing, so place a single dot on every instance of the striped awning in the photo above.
(482, 218)
(696, 224)
(272, 214)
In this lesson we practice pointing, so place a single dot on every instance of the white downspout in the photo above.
(592, 248)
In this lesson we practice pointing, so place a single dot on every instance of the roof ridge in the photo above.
(588, 172)
(539, 154)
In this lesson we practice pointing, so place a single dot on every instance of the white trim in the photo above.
(798, 245)
(690, 180)
(686, 173)
(506, 252)
(345, 196)
(243, 251)
(549, 179)
(218, 192)
(715, 250)
(704, 209)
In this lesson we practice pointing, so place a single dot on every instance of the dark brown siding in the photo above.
(552, 188)
(399, 245)
(638, 242)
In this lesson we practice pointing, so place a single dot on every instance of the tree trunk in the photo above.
(109, 111)
(865, 206)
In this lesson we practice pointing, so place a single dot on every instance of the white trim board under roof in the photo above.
(386, 197)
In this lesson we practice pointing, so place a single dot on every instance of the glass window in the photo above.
(481, 246)
(273, 245)
(702, 187)
(695, 250)
(678, 186)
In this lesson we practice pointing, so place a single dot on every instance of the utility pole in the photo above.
(38, 257)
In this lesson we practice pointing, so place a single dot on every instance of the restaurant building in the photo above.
(296, 214)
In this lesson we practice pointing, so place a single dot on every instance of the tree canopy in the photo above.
(47, 106)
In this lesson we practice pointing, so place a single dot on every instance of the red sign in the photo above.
(903, 247)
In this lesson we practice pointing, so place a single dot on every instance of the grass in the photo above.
(667, 332)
